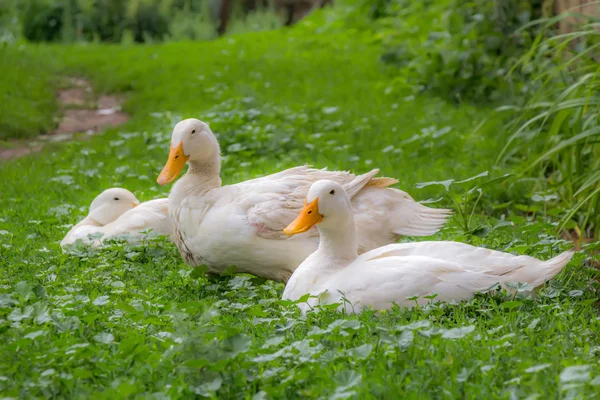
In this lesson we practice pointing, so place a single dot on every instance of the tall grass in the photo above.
(556, 133)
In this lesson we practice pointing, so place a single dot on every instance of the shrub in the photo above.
(105, 20)
(466, 53)
(42, 21)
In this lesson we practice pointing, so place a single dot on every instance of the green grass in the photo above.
(130, 321)
(27, 94)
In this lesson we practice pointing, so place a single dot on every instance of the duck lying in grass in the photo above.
(117, 211)
(394, 273)
(242, 224)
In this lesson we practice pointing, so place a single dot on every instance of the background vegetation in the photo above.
(115, 21)
(506, 135)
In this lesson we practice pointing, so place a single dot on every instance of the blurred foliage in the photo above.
(115, 21)
(10, 28)
(465, 49)
(106, 20)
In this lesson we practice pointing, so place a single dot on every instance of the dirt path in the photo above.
(82, 112)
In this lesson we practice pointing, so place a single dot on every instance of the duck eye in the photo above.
(116, 198)
(332, 192)
(193, 131)
(309, 212)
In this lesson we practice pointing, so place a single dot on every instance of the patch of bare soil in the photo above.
(82, 112)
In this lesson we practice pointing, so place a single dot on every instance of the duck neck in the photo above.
(209, 168)
(201, 177)
(339, 241)
(206, 173)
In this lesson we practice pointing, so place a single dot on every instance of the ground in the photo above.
(125, 321)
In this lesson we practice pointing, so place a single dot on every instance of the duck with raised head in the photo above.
(242, 224)
(396, 273)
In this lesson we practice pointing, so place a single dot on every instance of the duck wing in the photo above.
(513, 268)
(152, 214)
(381, 213)
(381, 282)
(275, 201)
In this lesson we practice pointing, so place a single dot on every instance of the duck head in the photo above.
(326, 204)
(191, 141)
(111, 204)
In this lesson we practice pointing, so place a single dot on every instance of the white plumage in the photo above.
(116, 212)
(335, 273)
(242, 224)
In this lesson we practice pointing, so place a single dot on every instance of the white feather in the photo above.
(242, 224)
(396, 272)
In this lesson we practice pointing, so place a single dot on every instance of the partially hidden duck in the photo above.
(395, 273)
(117, 211)
(242, 224)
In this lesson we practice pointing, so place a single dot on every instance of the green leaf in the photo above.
(473, 178)
(199, 271)
(121, 305)
(457, 333)
(361, 352)
(303, 299)
(511, 304)
(101, 300)
(347, 379)
(23, 289)
(33, 335)
(537, 368)
(576, 373)
(415, 325)
(497, 180)
(18, 315)
(40, 291)
(208, 388)
(6, 300)
(274, 341)
(237, 344)
(446, 184)
(406, 339)
(104, 337)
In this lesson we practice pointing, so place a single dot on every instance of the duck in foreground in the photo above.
(335, 273)
(242, 224)
(117, 211)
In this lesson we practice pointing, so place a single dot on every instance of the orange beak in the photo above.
(309, 217)
(134, 204)
(174, 165)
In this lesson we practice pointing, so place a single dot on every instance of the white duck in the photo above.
(393, 273)
(117, 211)
(242, 224)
